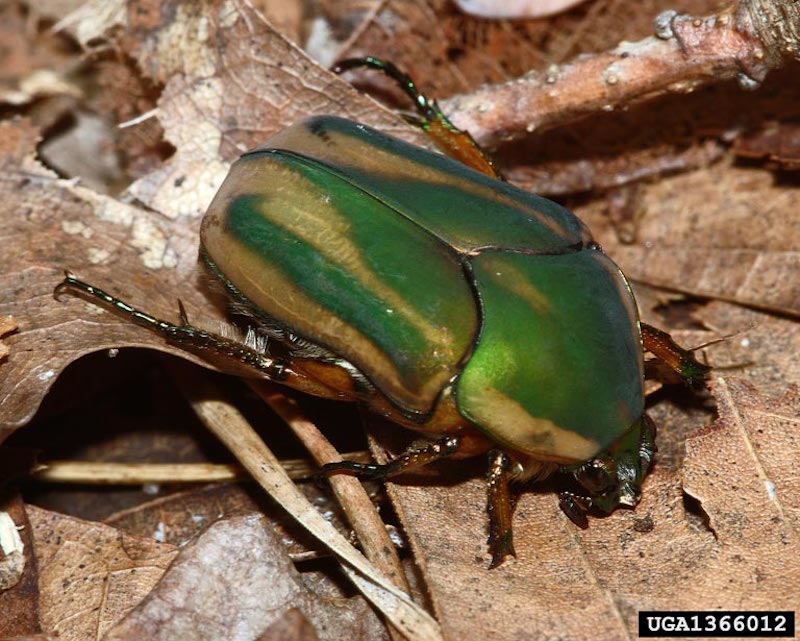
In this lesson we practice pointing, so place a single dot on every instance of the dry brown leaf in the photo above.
(290, 626)
(12, 549)
(228, 86)
(178, 517)
(87, 21)
(741, 470)
(237, 577)
(765, 279)
(725, 232)
(19, 595)
(570, 176)
(59, 225)
(762, 348)
(285, 15)
(91, 575)
(33, 59)
(7, 325)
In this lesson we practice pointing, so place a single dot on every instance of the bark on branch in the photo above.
(744, 41)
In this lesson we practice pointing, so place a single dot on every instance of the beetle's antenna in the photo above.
(721, 339)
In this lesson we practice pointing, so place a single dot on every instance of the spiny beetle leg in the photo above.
(676, 358)
(412, 458)
(193, 338)
(455, 142)
(501, 542)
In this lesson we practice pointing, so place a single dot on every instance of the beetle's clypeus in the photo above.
(439, 296)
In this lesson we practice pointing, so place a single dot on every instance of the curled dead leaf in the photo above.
(7, 325)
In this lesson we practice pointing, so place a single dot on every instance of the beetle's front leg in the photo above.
(222, 351)
(676, 358)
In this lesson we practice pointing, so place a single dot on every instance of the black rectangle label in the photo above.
(716, 623)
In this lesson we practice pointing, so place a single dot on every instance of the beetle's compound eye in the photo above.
(596, 475)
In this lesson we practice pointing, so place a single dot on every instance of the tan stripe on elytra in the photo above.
(323, 227)
(390, 165)
(507, 421)
(517, 282)
(264, 284)
(340, 149)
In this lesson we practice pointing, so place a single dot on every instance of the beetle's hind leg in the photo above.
(453, 141)
(228, 354)
(675, 358)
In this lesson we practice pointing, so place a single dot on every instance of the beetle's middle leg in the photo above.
(499, 505)
(414, 457)
(455, 142)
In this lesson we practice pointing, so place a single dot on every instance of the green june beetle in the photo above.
(439, 296)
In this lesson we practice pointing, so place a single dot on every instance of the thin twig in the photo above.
(110, 473)
(744, 41)
(231, 427)
(356, 504)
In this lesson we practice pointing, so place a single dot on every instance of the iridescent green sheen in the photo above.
(463, 207)
(343, 270)
(557, 371)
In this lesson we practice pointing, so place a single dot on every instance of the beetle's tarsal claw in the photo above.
(69, 281)
(501, 548)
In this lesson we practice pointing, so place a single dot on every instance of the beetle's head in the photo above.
(614, 477)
